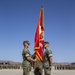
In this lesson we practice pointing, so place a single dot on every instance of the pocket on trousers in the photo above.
(46, 65)
(48, 71)
(27, 69)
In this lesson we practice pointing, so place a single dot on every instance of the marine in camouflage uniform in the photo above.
(26, 64)
(47, 63)
(37, 66)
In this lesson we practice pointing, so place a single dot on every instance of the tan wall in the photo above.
(64, 67)
(9, 66)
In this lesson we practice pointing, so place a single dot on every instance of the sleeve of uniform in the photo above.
(49, 53)
(26, 53)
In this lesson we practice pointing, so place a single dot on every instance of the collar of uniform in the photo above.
(48, 48)
(26, 49)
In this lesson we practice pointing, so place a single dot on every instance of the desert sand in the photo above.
(20, 72)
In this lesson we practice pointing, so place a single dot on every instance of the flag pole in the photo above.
(43, 17)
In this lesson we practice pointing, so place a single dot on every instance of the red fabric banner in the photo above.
(39, 36)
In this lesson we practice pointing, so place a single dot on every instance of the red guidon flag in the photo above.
(39, 37)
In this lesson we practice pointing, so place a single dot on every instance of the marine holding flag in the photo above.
(39, 42)
(47, 62)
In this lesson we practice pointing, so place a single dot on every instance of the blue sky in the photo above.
(18, 22)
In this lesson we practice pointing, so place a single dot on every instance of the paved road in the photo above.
(54, 72)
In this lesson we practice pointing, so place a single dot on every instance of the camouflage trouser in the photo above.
(47, 71)
(26, 71)
(38, 71)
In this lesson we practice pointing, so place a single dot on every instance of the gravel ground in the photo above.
(20, 72)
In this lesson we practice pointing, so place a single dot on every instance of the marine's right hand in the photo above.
(35, 60)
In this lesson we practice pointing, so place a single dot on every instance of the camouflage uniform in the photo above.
(38, 68)
(46, 63)
(26, 64)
